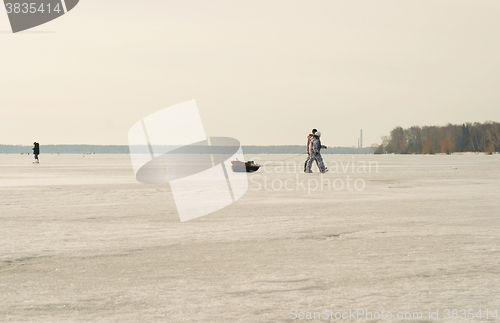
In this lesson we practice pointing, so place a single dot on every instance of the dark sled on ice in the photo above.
(249, 166)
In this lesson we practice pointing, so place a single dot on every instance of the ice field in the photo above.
(82, 240)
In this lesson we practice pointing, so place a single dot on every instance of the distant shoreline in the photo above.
(124, 149)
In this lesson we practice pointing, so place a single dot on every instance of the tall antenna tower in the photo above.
(361, 139)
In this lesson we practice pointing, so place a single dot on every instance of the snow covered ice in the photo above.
(82, 240)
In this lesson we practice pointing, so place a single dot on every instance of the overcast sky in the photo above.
(264, 72)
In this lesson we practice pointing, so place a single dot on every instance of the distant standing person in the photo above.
(309, 137)
(315, 154)
(36, 151)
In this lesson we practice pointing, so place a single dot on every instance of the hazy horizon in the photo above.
(243, 144)
(263, 72)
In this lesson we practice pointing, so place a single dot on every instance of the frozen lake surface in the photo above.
(82, 240)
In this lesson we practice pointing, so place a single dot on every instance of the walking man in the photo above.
(309, 137)
(315, 154)
(36, 151)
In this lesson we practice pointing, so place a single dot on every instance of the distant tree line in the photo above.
(124, 149)
(473, 137)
